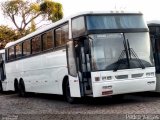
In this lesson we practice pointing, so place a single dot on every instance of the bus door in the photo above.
(72, 71)
(2, 68)
(83, 65)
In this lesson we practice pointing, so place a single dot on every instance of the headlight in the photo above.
(107, 78)
(150, 74)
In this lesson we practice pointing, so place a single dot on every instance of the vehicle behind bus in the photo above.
(154, 27)
(92, 54)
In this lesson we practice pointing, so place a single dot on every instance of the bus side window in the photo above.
(11, 51)
(58, 37)
(65, 33)
(61, 35)
(47, 39)
(26, 48)
(18, 50)
(36, 45)
(78, 26)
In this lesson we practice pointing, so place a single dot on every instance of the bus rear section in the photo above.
(112, 55)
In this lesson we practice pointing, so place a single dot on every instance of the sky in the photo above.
(150, 8)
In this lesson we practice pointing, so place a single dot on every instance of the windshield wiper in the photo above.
(132, 52)
(129, 53)
(124, 52)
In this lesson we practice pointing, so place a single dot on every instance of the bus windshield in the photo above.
(101, 22)
(106, 50)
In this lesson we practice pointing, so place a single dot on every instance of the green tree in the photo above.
(51, 10)
(23, 13)
(7, 35)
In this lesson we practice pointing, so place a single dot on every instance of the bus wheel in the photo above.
(1, 88)
(21, 91)
(68, 94)
(16, 87)
(118, 97)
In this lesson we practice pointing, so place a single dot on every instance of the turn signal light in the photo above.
(97, 78)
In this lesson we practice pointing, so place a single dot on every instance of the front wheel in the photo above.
(16, 87)
(68, 94)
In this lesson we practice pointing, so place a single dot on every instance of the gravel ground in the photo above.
(43, 107)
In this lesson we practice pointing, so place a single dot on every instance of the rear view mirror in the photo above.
(86, 46)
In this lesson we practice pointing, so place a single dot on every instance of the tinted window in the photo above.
(64, 36)
(78, 27)
(61, 35)
(11, 53)
(26, 48)
(18, 50)
(155, 40)
(47, 40)
(36, 45)
(154, 30)
(71, 59)
(58, 37)
(95, 22)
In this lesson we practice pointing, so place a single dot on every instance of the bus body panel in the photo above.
(74, 86)
(41, 74)
(118, 84)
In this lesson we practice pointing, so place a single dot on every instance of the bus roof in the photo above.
(153, 22)
(48, 27)
(9, 44)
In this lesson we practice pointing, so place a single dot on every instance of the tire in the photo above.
(1, 88)
(68, 94)
(118, 97)
(21, 91)
(16, 86)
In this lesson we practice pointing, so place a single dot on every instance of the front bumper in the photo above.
(123, 86)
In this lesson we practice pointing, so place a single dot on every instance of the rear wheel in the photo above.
(68, 94)
(16, 86)
(21, 91)
(1, 88)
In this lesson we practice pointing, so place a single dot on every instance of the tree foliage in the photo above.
(7, 35)
(52, 10)
(23, 13)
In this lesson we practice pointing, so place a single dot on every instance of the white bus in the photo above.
(154, 27)
(2, 69)
(89, 54)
